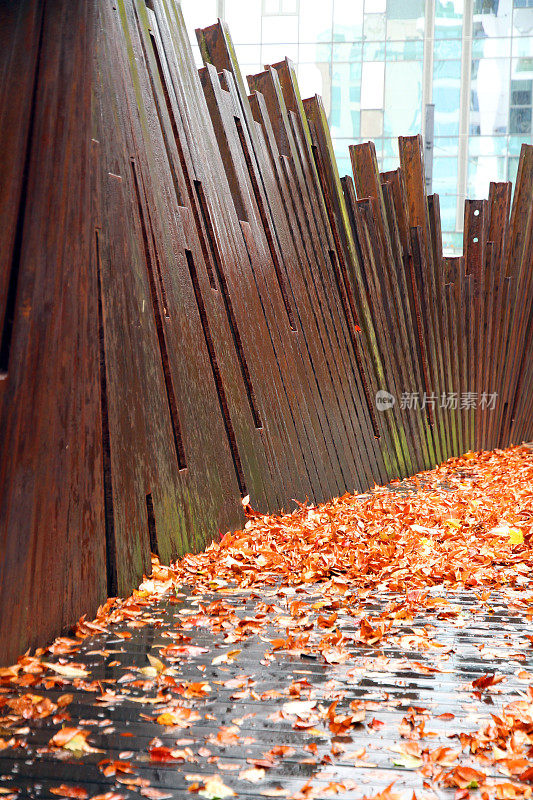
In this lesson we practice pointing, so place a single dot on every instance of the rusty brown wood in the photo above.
(53, 562)
(357, 312)
(411, 162)
(444, 365)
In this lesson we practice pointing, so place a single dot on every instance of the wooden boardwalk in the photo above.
(193, 696)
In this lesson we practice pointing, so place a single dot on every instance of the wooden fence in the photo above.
(194, 307)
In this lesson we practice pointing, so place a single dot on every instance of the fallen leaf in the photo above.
(214, 789)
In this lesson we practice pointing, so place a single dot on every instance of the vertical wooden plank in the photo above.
(51, 504)
(21, 30)
(411, 162)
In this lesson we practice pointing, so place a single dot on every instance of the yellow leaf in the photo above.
(143, 700)
(254, 775)
(453, 523)
(182, 717)
(299, 707)
(226, 658)
(148, 672)
(66, 670)
(516, 536)
(407, 761)
(78, 744)
(313, 732)
(214, 789)
(156, 663)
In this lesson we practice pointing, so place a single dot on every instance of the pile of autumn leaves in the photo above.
(469, 524)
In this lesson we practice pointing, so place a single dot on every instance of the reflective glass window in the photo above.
(405, 19)
(316, 26)
(277, 29)
(403, 98)
(445, 175)
(347, 51)
(243, 18)
(372, 84)
(374, 27)
(448, 19)
(345, 100)
(446, 97)
(371, 123)
(347, 20)
(481, 171)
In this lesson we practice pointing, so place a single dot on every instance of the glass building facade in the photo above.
(378, 64)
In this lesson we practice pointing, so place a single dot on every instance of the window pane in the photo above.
(452, 243)
(280, 29)
(445, 176)
(375, 6)
(487, 145)
(388, 164)
(374, 51)
(512, 169)
(448, 19)
(244, 20)
(522, 69)
(408, 50)
(371, 124)
(481, 171)
(522, 19)
(515, 145)
(490, 96)
(347, 20)
(319, 51)
(390, 148)
(405, 19)
(198, 60)
(340, 148)
(316, 24)
(378, 143)
(522, 46)
(520, 121)
(347, 51)
(491, 48)
(289, 6)
(403, 98)
(374, 27)
(448, 208)
(446, 97)
(272, 53)
(492, 18)
(447, 48)
(248, 53)
(345, 100)
(372, 84)
(198, 15)
(445, 146)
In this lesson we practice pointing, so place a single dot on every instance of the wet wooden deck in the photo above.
(403, 685)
